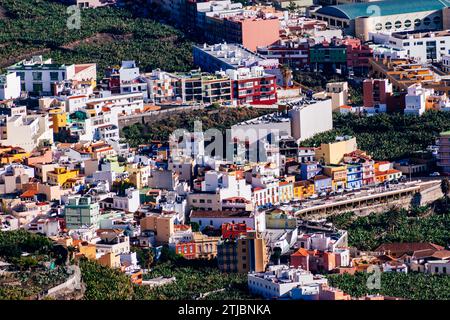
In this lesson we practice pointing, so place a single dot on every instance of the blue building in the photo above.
(354, 176)
(309, 170)
(322, 184)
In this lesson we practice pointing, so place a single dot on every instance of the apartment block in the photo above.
(243, 255)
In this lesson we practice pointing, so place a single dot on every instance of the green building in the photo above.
(81, 212)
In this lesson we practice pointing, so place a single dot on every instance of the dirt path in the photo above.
(100, 38)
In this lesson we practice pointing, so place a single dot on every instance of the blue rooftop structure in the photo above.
(387, 8)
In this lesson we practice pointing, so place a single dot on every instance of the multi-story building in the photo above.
(279, 280)
(338, 174)
(162, 86)
(303, 189)
(9, 86)
(368, 169)
(224, 56)
(243, 255)
(444, 152)
(81, 212)
(202, 87)
(358, 19)
(38, 75)
(294, 54)
(333, 153)
(415, 99)
(253, 86)
(25, 131)
(60, 175)
(309, 170)
(421, 45)
(201, 247)
(309, 117)
(328, 57)
(354, 176)
(402, 73)
(249, 27)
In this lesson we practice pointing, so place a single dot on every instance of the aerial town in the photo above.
(225, 150)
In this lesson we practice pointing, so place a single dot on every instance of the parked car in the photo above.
(435, 174)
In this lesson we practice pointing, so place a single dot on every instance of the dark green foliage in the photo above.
(220, 119)
(191, 281)
(387, 136)
(103, 283)
(14, 243)
(415, 286)
(106, 36)
(367, 233)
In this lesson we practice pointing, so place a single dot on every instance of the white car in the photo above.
(314, 196)
(435, 174)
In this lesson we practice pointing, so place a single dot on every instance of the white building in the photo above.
(130, 202)
(309, 117)
(131, 80)
(38, 76)
(9, 86)
(438, 267)
(415, 100)
(25, 131)
(255, 220)
(120, 104)
(279, 280)
(420, 46)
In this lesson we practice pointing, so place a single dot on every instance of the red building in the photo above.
(314, 260)
(358, 55)
(253, 86)
(186, 249)
(234, 230)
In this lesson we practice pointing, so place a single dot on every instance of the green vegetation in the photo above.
(220, 119)
(191, 281)
(415, 286)
(396, 225)
(31, 269)
(387, 136)
(106, 36)
(103, 283)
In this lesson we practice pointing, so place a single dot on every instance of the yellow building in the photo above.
(278, 219)
(333, 153)
(285, 191)
(338, 174)
(59, 119)
(109, 260)
(303, 189)
(138, 175)
(60, 175)
(162, 225)
(12, 154)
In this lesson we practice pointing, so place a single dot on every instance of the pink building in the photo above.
(251, 32)
(358, 55)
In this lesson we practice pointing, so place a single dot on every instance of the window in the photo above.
(407, 23)
(437, 20)
(406, 44)
(37, 76)
(417, 22)
(427, 21)
(398, 24)
(21, 75)
(378, 26)
(54, 76)
(388, 25)
(37, 87)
